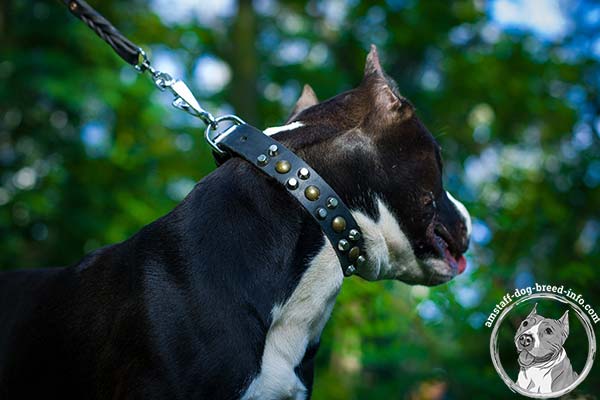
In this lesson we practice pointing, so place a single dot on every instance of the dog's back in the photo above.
(20, 293)
(24, 317)
(60, 327)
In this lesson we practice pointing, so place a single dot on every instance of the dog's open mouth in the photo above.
(526, 358)
(445, 245)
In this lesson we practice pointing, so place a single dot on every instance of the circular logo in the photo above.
(543, 353)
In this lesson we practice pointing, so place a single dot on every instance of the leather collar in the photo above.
(303, 183)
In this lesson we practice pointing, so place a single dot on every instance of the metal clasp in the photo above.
(214, 137)
(184, 99)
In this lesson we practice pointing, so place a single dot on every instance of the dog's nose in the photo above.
(525, 340)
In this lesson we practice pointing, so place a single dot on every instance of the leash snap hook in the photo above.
(185, 100)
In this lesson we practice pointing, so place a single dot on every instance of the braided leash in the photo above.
(125, 48)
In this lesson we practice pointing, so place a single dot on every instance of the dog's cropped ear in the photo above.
(533, 312)
(385, 102)
(373, 65)
(307, 99)
(564, 320)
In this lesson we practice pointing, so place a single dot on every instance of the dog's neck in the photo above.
(548, 361)
(237, 211)
(273, 257)
(537, 377)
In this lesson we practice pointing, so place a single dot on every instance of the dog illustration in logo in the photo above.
(544, 365)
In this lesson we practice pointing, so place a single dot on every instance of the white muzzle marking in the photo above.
(460, 207)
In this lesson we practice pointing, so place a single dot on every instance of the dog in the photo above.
(225, 297)
(544, 365)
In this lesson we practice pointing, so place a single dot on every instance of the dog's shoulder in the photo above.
(563, 375)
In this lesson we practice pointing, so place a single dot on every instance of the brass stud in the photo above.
(332, 203)
(73, 6)
(292, 183)
(353, 253)
(273, 150)
(312, 193)
(262, 160)
(338, 224)
(360, 261)
(354, 235)
(283, 166)
(349, 270)
(303, 173)
(343, 245)
(321, 213)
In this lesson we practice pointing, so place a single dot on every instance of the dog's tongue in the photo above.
(525, 358)
(460, 264)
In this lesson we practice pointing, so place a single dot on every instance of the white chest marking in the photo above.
(296, 324)
(288, 127)
(538, 379)
(299, 321)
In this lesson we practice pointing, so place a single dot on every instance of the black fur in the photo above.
(180, 310)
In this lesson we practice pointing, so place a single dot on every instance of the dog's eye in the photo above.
(525, 323)
(549, 331)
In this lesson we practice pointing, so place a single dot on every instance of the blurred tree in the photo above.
(90, 152)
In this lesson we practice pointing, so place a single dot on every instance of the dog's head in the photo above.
(373, 150)
(538, 339)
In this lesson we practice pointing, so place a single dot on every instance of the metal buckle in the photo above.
(213, 137)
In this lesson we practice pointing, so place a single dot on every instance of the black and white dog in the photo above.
(226, 296)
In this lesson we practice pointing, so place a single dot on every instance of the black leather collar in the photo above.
(308, 188)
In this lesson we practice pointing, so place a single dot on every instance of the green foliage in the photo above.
(90, 152)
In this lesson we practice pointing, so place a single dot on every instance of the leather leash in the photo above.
(126, 49)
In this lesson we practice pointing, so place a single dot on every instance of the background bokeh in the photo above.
(90, 151)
